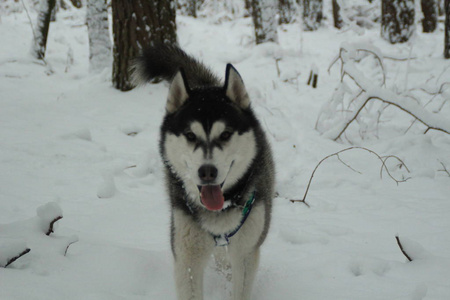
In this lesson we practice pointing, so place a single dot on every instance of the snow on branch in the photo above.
(383, 167)
(349, 55)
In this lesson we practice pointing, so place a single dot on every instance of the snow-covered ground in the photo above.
(69, 139)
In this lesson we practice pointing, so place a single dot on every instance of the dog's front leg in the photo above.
(191, 247)
(243, 267)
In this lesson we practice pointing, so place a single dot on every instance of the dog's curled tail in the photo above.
(163, 61)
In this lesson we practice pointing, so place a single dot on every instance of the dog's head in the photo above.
(207, 138)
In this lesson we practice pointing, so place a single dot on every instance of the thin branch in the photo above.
(444, 169)
(383, 166)
(439, 91)
(50, 229)
(394, 104)
(379, 61)
(398, 59)
(401, 248)
(10, 261)
(347, 165)
(72, 241)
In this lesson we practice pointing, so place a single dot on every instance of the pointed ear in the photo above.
(235, 89)
(178, 92)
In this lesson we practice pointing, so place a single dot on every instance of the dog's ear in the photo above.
(235, 88)
(178, 92)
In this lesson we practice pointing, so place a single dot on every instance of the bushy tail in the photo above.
(164, 61)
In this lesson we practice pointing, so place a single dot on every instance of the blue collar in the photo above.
(223, 239)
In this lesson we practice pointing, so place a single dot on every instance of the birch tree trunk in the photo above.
(98, 31)
(43, 24)
(264, 19)
(312, 14)
(397, 20)
(136, 24)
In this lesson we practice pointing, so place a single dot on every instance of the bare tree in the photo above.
(98, 31)
(397, 20)
(137, 23)
(43, 23)
(430, 13)
(264, 19)
(312, 14)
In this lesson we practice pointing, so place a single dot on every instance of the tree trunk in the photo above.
(264, 19)
(430, 12)
(286, 10)
(136, 24)
(447, 30)
(43, 23)
(338, 23)
(312, 14)
(98, 31)
(397, 20)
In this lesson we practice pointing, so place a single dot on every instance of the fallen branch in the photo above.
(383, 166)
(10, 261)
(50, 229)
(401, 248)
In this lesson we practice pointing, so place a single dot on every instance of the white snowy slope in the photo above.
(68, 138)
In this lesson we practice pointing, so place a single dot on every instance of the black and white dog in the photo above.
(219, 169)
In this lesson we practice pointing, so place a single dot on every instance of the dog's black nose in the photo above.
(207, 173)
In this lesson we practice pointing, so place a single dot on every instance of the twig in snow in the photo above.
(383, 166)
(278, 67)
(50, 229)
(401, 164)
(347, 165)
(401, 248)
(444, 169)
(72, 240)
(10, 261)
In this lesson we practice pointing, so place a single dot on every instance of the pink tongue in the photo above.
(212, 197)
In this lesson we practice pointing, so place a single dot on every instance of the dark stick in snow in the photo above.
(50, 229)
(17, 257)
(401, 248)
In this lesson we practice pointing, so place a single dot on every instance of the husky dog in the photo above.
(218, 166)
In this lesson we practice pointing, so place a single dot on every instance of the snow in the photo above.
(68, 138)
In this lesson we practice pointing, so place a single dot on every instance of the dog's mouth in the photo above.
(212, 197)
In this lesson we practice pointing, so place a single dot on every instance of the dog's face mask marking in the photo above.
(210, 148)
(210, 161)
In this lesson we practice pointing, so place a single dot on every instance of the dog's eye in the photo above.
(225, 136)
(191, 137)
